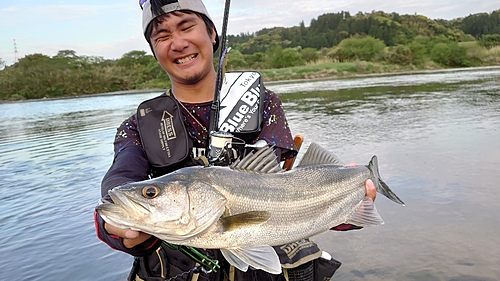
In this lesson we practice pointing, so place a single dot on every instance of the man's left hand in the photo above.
(370, 190)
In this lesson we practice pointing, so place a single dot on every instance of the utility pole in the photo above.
(15, 51)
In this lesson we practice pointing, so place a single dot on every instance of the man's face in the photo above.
(183, 47)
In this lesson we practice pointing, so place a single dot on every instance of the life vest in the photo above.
(163, 134)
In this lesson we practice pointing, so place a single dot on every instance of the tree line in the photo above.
(392, 35)
(394, 29)
(334, 37)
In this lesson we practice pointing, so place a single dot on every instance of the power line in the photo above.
(15, 52)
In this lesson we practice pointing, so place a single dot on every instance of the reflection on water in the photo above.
(436, 136)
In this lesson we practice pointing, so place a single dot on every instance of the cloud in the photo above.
(115, 49)
(252, 16)
(113, 27)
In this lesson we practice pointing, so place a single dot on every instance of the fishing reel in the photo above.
(225, 148)
(221, 151)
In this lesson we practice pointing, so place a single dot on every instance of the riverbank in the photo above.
(269, 81)
(315, 71)
(332, 70)
(361, 75)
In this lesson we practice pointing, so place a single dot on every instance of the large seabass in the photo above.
(249, 207)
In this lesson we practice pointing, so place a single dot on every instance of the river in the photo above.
(436, 135)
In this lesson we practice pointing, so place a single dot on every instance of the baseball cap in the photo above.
(191, 5)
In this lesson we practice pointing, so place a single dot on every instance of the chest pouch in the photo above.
(241, 104)
(162, 130)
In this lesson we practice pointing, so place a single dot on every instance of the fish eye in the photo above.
(150, 191)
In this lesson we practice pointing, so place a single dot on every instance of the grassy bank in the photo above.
(327, 69)
(32, 79)
(324, 69)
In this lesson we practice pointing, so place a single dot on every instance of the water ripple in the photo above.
(436, 135)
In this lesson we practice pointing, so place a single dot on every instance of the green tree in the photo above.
(481, 24)
(69, 54)
(134, 57)
(423, 41)
(490, 40)
(309, 55)
(235, 60)
(32, 60)
(68, 59)
(401, 55)
(365, 48)
(450, 54)
(418, 51)
(280, 58)
(339, 54)
(256, 60)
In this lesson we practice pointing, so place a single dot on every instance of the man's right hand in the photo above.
(131, 238)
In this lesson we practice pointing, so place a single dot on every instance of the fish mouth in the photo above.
(139, 209)
(121, 211)
(185, 59)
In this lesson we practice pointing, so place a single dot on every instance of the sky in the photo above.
(111, 28)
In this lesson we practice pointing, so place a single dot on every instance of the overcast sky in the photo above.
(111, 28)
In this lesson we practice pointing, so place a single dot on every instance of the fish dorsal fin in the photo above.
(263, 161)
(316, 155)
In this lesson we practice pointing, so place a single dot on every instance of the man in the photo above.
(183, 39)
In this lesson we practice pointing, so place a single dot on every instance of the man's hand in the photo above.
(131, 238)
(371, 191)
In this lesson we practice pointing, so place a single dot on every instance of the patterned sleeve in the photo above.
(127, 135)
(129, 165)
(275, 129)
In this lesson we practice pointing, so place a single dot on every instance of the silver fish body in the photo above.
(245, 209)
(302, 203)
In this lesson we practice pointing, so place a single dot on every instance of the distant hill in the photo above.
(329, 29)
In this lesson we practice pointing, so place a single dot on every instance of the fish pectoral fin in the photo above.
(366, 215)
(261, 257)
(243, 220)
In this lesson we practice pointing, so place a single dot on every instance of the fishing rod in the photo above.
(215, 108)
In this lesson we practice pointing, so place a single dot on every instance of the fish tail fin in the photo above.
(380, 185)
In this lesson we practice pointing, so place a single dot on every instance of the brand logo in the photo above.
(166, 131)
(144, 111)
(243, 111)
(293, 248)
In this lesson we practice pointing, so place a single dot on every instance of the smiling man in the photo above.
(171, 131)
(183, 43)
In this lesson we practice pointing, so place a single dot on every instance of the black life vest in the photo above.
(163, 132)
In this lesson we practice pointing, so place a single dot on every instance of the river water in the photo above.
(436, 134)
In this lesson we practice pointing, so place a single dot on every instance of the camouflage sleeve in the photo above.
(275, 129)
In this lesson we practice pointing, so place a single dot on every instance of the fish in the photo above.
(247, 208)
